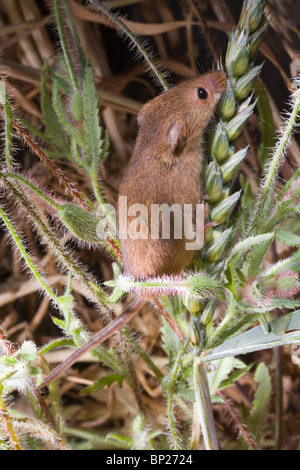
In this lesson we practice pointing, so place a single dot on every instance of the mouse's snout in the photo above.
(218, 81)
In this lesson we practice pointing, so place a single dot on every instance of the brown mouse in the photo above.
(165, 168)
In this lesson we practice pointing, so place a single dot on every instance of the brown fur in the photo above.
(165, 168)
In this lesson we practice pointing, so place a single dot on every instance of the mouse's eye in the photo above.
(202, 93)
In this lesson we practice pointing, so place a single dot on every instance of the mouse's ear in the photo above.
(177, 135)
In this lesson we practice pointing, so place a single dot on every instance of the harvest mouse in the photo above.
(165, 168)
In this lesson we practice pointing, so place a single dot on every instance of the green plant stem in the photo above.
(7, 127)
(221, 328)
(63, 120)
(64, 45)
(66, 259)
(236, 419)
(133, 39)
(73, 32)
(279, 216)
(196, 429)
(37, 275)
(29, 262)
(52, 167)
(34, 188)
(277, 355)
(142, 354)
(218, 333)
(287, 186)
(26, 257)
(278, 397)
(171, 391)
(55, 400)
(133, 376)
(265, 200)
(102, 202)
(102, 441)
(204, 406)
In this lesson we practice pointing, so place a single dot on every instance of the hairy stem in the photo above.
(265, 200)
(7, 127)
(171, 391)
(26, 257)
(46, 160)
(97, 339)
(62, 254)
(204, 406)
(133, 39)
(238, 422)
(63, 42)
(31, 186)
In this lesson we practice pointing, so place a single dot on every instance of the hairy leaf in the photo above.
(261, 401)
(256, 340)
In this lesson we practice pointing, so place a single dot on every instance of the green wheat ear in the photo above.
(235, 109)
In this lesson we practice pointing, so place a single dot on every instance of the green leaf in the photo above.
(216, 399)
(237, 374)
(292, 263)
(8, 360)
(54, 132)
(286, 303)
(261, 401)
(104, 147)
(61, 112)
(282, 324)
(241, 276)
(122, 439)
(61, 78)
(92, 130)
(219, 376)
(256, 340)
(37, 373)
(171, 344)
(80, 222)
(76, 106)
(116, 270)
(65, 302)
(219, 372)
(289, 238)
(58, 343)
(105, 381)
(28, 351)
(8, 127)
(256, 259)
(267, 198)
(116, 294)
(64, 45)
(250, 242)
(59, 322)
(75, 37)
